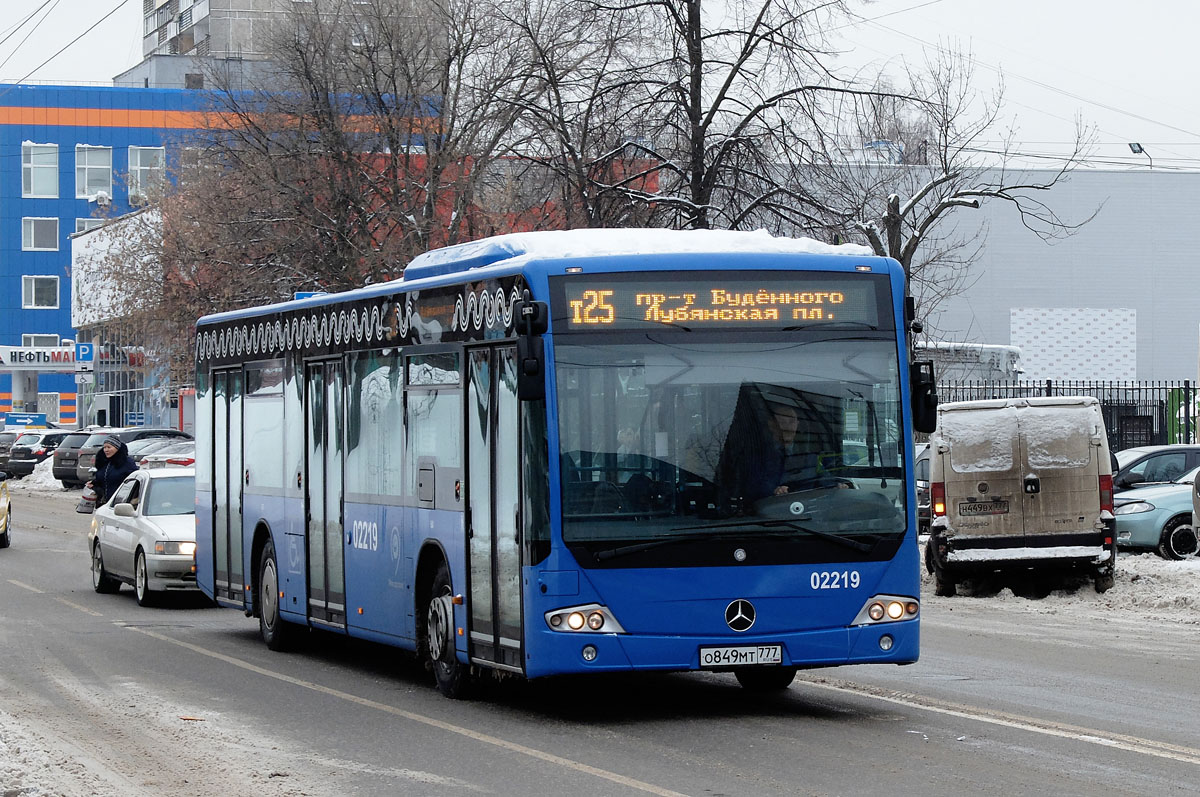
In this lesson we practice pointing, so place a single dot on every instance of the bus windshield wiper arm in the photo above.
(794, 526)
(613, 553)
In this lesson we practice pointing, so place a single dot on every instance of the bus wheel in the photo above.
(1178, 539)
(765, 679)
(451, 675)
(276, 632)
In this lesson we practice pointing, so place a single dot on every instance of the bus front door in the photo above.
(324, 415)
(493, 474)
(227, 487)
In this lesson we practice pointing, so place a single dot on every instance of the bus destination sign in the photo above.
(766, 301)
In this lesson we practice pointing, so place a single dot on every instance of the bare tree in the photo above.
(893, 174)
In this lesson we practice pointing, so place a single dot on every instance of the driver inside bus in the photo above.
(760, 458)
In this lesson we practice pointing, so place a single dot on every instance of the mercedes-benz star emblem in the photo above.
(739, 615)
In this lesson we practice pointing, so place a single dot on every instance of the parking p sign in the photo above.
(85, 356)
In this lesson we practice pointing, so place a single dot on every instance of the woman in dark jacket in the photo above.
(112, 466)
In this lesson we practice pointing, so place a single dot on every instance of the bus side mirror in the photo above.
(924, 395)
(532, 321)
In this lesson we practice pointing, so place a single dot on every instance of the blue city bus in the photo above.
(575, 452)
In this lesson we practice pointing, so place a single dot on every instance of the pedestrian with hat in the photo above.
(112, 466)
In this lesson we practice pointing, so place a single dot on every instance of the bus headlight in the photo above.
(591, 618)
(887, 609)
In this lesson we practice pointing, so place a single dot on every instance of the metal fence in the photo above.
(1135, 413)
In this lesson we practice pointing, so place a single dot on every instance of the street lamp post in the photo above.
(1138, 149)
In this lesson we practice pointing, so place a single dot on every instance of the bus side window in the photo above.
(433, 458)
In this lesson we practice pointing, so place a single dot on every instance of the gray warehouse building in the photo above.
(1115, 301)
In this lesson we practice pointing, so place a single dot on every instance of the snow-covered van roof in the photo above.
(559, 244)
(1028, 401)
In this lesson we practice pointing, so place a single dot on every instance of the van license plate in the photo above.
(741, 655)
(983, 508)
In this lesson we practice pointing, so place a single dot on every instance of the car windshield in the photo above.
(1128, 455)
(175, 495)
(1188, 478)
(714, 439)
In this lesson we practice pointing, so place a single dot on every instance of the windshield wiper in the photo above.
(834, 325)
(848, 542)
(613, 553)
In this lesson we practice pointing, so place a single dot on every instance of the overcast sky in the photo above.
(1123, 67)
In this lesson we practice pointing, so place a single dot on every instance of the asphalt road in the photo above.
(101, 697)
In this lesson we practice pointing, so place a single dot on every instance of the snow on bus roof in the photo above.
(598, 243)
(561, 244)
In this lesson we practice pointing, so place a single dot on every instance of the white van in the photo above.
(1019, 484)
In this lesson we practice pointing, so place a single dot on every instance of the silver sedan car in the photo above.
(145, 535)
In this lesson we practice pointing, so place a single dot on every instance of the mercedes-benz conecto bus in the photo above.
(575, 452)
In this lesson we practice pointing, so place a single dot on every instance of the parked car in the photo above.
(5, 513)
(87, 454)
(7, 438)
(145, 535)
(1154, 464)
(31, 448)
(180, 454)
(67, 455)
(1158, 517)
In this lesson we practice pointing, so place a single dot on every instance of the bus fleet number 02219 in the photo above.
(835, 579)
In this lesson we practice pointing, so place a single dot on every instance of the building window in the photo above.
(147, 168)
(39, 170)
(39, 293)
(39, 235)
(93, 170)
(40, 341)
(83, 225)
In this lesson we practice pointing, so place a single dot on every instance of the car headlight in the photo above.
(1133, 508)
(170, 547)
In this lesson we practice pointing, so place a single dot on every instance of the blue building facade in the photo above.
(69, 158)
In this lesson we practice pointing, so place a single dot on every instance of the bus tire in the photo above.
(451, 675)
(765, 679)
(1178, 538)
(276, 632)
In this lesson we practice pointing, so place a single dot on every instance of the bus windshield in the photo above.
(672, 436)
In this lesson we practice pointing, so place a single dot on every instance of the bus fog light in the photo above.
(875, 611)
(575, 620)
(595, 621)
(589, 653)
(885, 642)
(895, 610)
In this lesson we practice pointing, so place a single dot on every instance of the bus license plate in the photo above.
(741, 655)
(983, 508)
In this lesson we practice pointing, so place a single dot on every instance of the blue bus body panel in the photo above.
(669, 613)
(204, 550)
(380, 575)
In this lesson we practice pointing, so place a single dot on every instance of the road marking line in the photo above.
(26, 586)
(83, 609)
(420, 718)
(1119, 741)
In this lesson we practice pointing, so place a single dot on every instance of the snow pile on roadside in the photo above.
(28, 769)
(1147, 587)
(41, 480)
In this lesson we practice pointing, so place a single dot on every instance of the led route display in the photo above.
(713, 300)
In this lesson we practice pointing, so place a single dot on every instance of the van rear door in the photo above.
(982, 472)
(1060, 490)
